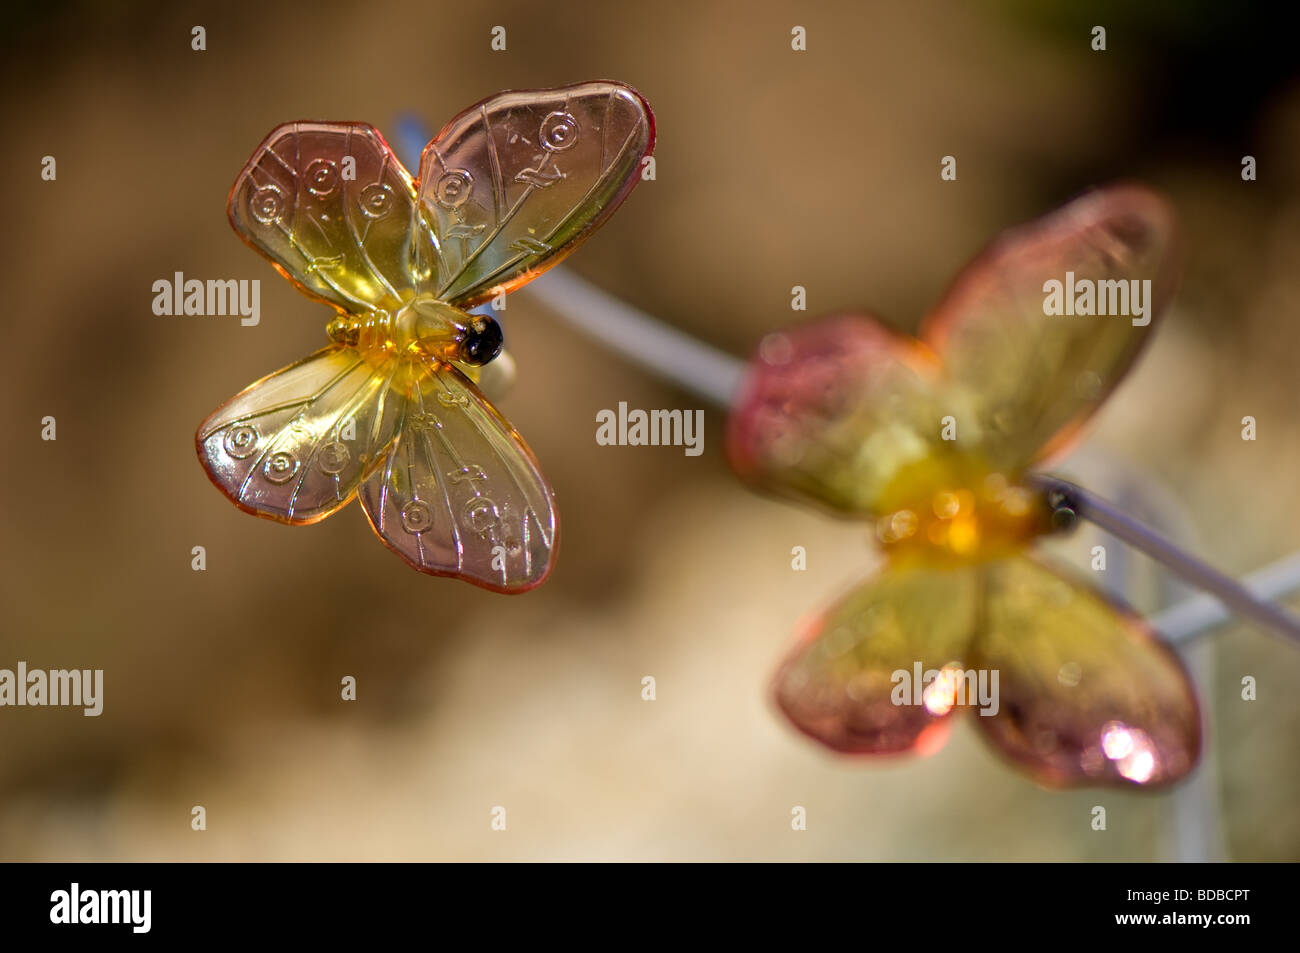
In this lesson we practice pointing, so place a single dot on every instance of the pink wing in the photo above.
(841, 684)
(1087, 695)
(460, 494)
(335, 212)
(516, 183)
(1030, 378)
(294, 446)
(832, 410)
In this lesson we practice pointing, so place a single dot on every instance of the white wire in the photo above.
(699, 368)
(1184, 621)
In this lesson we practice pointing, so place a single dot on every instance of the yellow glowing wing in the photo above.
(335, 212)
(514, 184)
(460, 493)
(1023, 381)
(832, 411)
(840, 685)
(1087, 694)
(295, 446)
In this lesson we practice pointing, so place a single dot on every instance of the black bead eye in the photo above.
(482, 342)
(1065, 510)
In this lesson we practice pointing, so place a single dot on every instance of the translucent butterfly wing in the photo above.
(460, 494)
(295, 446)
(516, 183)
(335, 212)
(831, 411)
(1086, 694)
(1033, 378)
(837, 686)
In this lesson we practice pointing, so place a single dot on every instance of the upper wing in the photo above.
(335, 212)
(833, 410)
(840, 686)
(294, 446)
(1033, 378)
(516, 183)
(460, 493)
(1087, 694)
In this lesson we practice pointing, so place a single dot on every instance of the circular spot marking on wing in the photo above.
(280, 467)
(417, 517)
(453, 188)
(558, 132)
(266, 204)
(334, 457)
(241, 441)
(322, 177)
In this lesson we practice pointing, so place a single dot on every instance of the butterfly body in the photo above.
(951, 509)
(390, 412)
(422, 329)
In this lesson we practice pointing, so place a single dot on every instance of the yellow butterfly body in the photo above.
(952, 508)
(422, 329)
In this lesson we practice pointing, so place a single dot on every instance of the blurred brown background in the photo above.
(775, 168)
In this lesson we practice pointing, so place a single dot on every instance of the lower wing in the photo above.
(295, 446)
(857, 681)
(1086, 692)
(460, 494)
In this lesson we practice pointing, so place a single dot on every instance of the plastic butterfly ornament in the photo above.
(390, 410)
(931, 439)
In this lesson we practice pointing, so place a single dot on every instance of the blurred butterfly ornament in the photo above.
(932, 439)
(390, 410)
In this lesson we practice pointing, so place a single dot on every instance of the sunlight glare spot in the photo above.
(1116, 740)
(940, 695)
